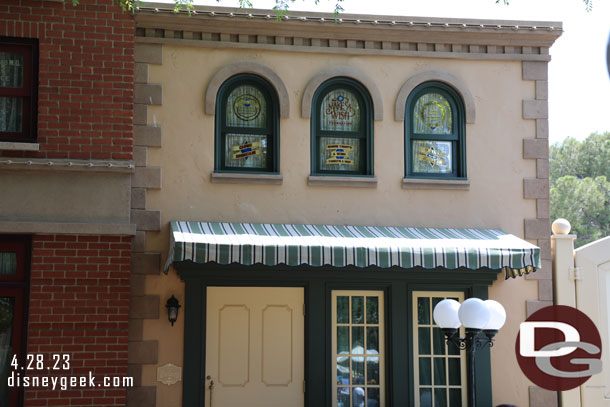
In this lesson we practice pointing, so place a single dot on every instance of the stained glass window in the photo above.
(432, 115)
(248, 131)
(434, 133)
(432, 156)
(246, 107)
(358, 351)
(341, 139)
(340, 110)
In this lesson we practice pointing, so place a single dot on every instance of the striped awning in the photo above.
(360, 246)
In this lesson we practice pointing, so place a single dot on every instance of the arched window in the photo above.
(247, 126)
(341, 129)
(434, 133)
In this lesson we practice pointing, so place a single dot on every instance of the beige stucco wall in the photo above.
(494, 160)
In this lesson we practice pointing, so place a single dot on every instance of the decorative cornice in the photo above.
(348, 34)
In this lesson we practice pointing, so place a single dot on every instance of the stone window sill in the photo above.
(338, 181)
(243, 178)
(423, 183)
(9, 145)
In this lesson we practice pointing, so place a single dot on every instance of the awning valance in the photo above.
(360, 246)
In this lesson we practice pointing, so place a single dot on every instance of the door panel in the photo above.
(255, 346)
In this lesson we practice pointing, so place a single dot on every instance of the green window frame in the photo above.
(435, 145)
(247, 133)
(350, 102)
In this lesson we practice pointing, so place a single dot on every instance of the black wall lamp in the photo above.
(172, 309)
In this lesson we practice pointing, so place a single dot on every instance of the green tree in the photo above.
(580, 186)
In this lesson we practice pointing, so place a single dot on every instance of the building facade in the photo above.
(66, 150)
(264, 140)
(308, 189)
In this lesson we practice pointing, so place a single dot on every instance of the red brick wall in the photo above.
(86, 68)
(79, 305)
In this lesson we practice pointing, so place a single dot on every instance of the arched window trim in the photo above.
(273, 125)
(458, 131)
(366, 117)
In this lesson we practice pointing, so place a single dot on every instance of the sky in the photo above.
(579, 84)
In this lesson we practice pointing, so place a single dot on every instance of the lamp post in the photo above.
(477, 316)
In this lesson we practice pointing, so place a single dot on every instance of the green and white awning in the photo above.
(360, 246)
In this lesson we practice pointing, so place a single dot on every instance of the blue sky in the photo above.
(579, 85)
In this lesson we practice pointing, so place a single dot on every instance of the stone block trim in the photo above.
(537, 228)
(542, 168)
(138, 198)
(535, 109)
(146, 263)
(545, 290)
(149, 93)
(140, 156)
(535, 188)
(149, 53)
(534, 71)
(79, 305)
(145, 307)
(140, 114)
(542, 128)
(142, 396)
(146, 177)
(542, 90)
(533, 306)
(141, 73)
(540, 397)
(535, 148)
(143, 352)
(543, 209)
(147, 136)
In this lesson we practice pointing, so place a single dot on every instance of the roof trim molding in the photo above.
(439, 76)
(240, 67)
(346, 71)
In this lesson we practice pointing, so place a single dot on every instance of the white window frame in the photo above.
(462, 356)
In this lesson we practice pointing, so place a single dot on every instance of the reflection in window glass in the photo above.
(11, 70)
(8, 263)
(11, 114)
(358, 341)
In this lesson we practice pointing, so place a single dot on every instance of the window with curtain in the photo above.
(13, 293)
(434, 133)
(342, 129)
(439, 368)
(18, 89)
(247, 126)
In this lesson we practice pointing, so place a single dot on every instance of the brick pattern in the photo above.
(86, 71)
(79, 305)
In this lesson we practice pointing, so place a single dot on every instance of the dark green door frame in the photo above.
(319, 282)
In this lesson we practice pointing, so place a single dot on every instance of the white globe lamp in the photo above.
(474, 314)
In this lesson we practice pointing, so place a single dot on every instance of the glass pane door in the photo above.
(358, 349)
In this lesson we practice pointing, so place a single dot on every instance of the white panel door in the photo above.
(255, 347)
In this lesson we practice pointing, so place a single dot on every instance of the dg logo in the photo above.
(559, 348)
